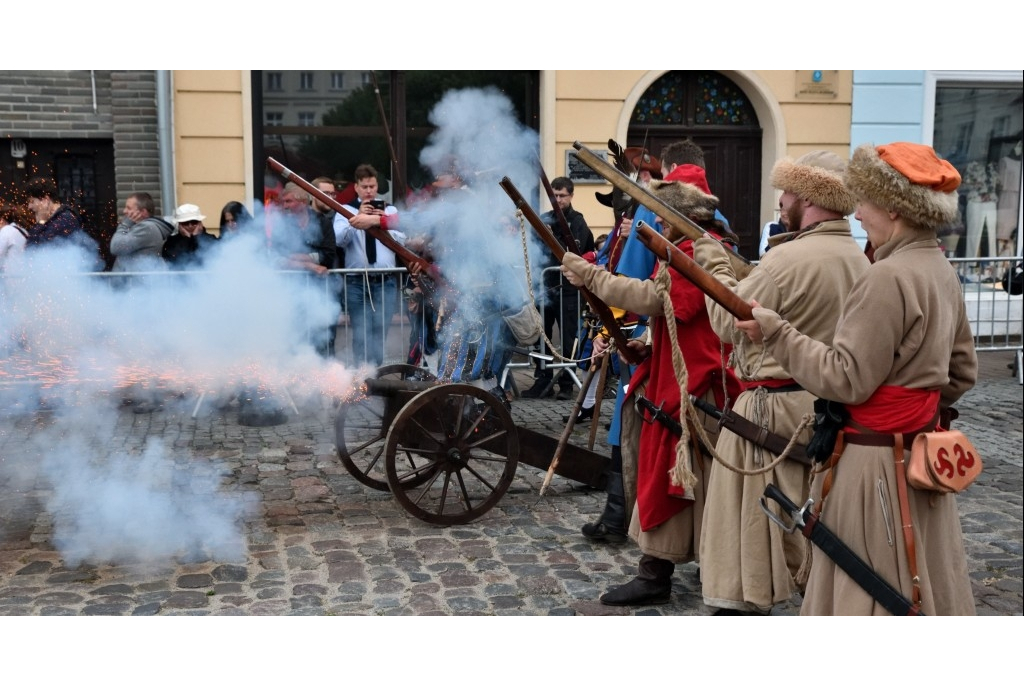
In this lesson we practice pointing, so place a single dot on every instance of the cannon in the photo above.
(448, 452)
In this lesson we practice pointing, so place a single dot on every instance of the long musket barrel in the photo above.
(408, 257)
(596, 304)
(647, 199)
(684, 264)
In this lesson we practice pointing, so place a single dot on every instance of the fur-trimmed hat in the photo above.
(686, 198)
(906, 178)
(817, 177)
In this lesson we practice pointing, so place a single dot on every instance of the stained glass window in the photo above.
(687, 98)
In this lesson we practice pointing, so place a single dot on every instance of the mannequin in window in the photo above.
(1008, 210)
(979, 180)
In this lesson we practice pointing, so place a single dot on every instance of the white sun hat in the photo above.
(187, 212)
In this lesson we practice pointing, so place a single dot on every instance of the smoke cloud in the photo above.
(80, 344)
(474, 230)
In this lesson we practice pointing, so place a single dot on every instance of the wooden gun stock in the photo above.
(647, 199)
(693, 272)
(408, 257)
(596, 304)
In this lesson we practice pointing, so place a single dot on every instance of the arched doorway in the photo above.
(712, 110)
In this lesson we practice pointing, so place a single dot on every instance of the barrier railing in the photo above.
(375, 324)
(995, 308)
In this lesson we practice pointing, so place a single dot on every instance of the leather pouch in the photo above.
(944, 461)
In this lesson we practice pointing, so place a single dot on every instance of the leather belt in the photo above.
(879, 439)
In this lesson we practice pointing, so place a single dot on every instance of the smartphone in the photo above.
(378, 204)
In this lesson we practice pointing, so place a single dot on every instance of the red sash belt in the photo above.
(893, 409)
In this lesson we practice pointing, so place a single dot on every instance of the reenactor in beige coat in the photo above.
(902, 350)
(747, 563)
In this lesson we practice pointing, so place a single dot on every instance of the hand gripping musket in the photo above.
(804, 519)
(407, 256)
(684, 264)
(647, 199)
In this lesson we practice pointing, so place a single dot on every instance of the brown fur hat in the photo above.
(686, 199)
(927, 203)
(817, 177)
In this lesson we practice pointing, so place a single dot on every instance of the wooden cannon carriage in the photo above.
(447, 451)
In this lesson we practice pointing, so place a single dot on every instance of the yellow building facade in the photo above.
(214, 142)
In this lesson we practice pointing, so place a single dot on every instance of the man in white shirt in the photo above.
(371, 299)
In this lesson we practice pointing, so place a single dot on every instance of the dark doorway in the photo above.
(715, 113)
(84, 173)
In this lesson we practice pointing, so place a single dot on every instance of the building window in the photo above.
(979, 129)
(337, 80)
(274, 81)
(274, 118)
(367, 78)
(305, 80)
(685, 98)
(307, 118)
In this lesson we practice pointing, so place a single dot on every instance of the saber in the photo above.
(804, 519)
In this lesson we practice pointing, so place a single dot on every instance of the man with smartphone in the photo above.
(371, 297)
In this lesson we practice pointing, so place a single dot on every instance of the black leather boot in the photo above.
(542, 387)
(652, 585)
(611, 527)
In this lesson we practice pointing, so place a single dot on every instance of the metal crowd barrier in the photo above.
(996, 315)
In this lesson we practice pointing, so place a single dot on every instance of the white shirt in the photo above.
(12, 243)
(353, 241)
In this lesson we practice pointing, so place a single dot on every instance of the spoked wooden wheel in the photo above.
(362, 426)
(451, 454)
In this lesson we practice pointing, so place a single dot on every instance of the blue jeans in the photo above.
(370, 307)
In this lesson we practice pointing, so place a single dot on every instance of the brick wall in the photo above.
(136, 153)
(59, 105)
(55, 104)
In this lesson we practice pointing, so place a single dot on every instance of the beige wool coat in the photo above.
(904, 324)
(747, 562)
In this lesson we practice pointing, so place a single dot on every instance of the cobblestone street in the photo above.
(317, 542)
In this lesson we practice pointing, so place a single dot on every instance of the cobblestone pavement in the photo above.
(317, 542)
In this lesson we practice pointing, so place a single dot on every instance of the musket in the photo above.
(387, 135)
(693, 272)
(567, 237)
(750, 431)
(649, 200)
(407, 256)
(804, 519)
(596, 304)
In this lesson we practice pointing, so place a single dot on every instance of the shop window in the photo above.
(980, 131)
